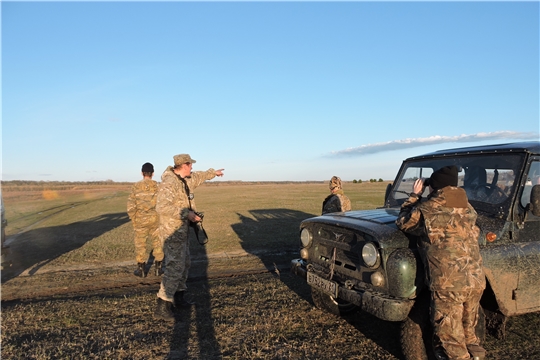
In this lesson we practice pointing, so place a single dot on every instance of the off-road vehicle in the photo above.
(361, 260)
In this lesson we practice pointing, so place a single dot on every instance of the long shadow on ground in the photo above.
(273, 236)
(279, 228)
(196, 321)
(35, 248)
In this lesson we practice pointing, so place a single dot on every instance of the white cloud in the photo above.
(433, 140)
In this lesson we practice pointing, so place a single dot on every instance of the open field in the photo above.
(82, 225)
(70, 293)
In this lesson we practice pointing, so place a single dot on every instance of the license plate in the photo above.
(318, 282)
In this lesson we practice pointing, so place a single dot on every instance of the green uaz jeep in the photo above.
(361, 260)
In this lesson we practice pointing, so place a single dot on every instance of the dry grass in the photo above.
(90, 226)
(267, 316)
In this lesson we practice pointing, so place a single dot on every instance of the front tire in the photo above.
(417, 332)
(329, 304)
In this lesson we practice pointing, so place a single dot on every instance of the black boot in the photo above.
(164, 310)
(141, 270)
(157, 268)
(180, 301)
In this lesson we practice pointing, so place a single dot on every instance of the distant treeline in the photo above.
(29, 185)
(240, 182)
(42, 182)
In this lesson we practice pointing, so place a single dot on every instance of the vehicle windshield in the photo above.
(488, 179)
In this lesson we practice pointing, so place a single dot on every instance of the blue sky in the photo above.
(270, 91)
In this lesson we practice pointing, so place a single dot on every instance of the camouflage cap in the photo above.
(335, 182)
(183, 159)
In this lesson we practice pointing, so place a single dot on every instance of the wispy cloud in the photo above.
(433, 140)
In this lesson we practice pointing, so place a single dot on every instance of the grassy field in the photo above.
(89, 224)
(106, 313)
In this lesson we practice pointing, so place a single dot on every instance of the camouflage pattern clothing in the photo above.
(141, 209)
(336, 202)
(448, 242)
(173, 206)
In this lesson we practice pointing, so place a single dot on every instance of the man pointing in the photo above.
(176, 208)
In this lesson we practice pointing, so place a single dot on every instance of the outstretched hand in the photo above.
(219, 172)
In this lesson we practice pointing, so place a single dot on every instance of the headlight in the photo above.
(305, 237)
(377, 279)
(370, 255)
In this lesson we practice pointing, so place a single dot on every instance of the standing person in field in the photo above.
(176, 209)
(448, 241)
(141, 209)
(337, 200)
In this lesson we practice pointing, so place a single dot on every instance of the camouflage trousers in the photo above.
(177, 264)
(142, 234)
(454, 315)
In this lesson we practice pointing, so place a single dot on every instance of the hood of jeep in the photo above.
(378, 224)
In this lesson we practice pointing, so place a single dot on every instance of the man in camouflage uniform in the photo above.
(337, 200)
(448, 241)
(176, 209)
(141, 209)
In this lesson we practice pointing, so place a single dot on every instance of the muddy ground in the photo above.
(254, 312)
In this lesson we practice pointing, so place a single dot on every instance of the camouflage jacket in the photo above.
(336, 202)
(141, 205)
(447, 238)
(173, 203)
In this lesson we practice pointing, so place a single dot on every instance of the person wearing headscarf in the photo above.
(337, 201)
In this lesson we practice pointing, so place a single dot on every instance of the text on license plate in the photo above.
(318, 282)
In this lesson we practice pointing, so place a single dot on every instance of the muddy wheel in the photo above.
(417, 332)
(329, 304)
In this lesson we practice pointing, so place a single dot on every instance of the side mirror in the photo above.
(534, 205)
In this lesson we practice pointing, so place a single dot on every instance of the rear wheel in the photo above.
(332, 305)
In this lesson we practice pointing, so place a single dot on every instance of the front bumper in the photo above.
(380, 305)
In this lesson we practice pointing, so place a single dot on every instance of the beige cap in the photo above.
(183, 159)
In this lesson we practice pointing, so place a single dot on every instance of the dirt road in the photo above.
(255, 313)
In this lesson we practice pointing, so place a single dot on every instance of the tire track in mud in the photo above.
(102, 279)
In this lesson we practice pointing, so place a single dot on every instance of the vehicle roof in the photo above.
(532, 147)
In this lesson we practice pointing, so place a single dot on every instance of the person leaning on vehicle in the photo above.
(448, 241)
(176, 210)
(337, 200)
(141, 209)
